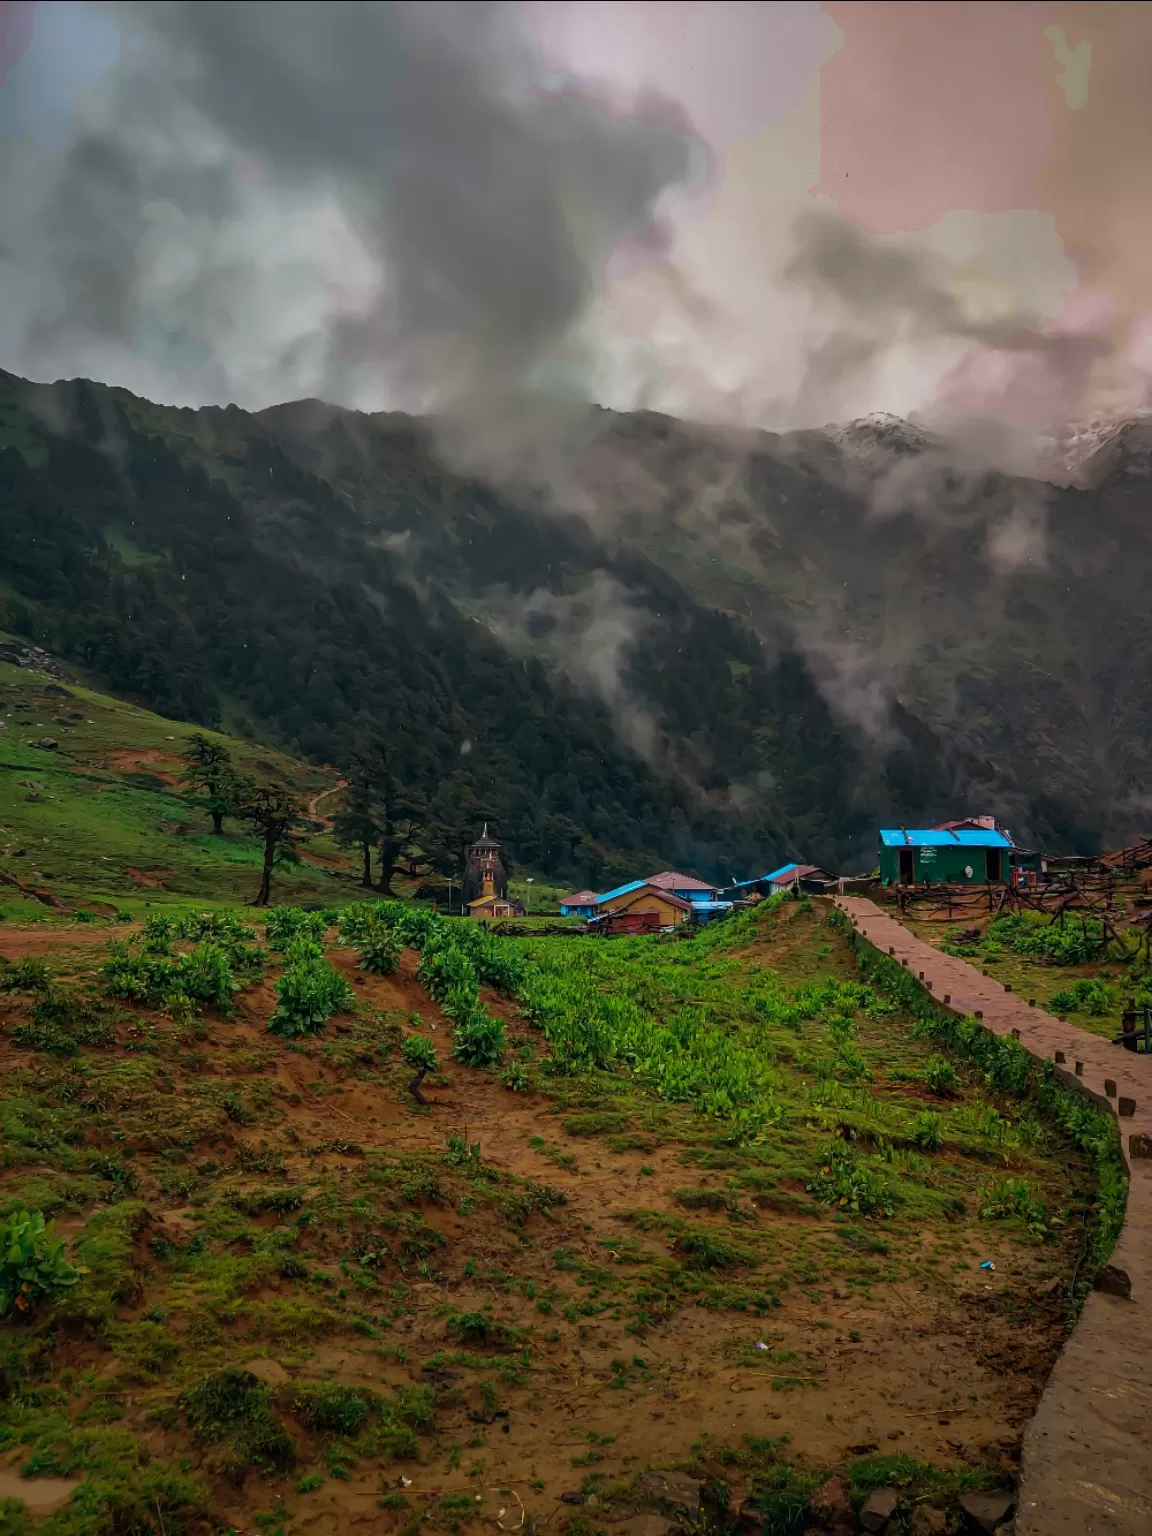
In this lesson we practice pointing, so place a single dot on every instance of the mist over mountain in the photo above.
(720, 648)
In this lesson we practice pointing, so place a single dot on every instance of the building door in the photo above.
(907, 866)
(992, 865)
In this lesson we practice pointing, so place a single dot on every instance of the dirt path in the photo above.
(323, 795)
(1087, 1468)
(16, 943)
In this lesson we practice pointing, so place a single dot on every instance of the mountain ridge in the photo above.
(740, 622)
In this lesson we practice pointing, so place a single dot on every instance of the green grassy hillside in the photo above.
(98, 822)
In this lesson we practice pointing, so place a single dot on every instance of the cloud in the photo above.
(367, 202)
(589, 636)
(873, 297)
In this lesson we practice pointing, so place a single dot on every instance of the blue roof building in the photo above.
(965, 855)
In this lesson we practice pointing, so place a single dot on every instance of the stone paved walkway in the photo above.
(1087, 1465)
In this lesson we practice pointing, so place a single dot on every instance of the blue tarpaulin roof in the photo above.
(622, 890)
(933, 837)
(777, 874)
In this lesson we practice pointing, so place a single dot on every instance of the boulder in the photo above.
(830, 1508)
(1110, 1278)
(986, 1512)
(878, 1509)
(673, 1491)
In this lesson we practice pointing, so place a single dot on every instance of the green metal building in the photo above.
(938, 856)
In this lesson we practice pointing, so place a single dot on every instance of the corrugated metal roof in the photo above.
(672, 880)
(580, 899)
(621, 890)
(936, 837)
(669, 896)
(776, 874)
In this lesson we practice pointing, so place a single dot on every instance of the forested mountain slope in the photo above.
(731, 659)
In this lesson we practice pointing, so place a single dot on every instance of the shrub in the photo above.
(927, 1131)
(331, 1409)
(419, 1052)
(232, 1407)
(1012, 1199)
(222, 927)
(702, 1250)
(515, 1078)
(479, 1329)
(1064, 943)
(379, 952)
(25, 976)
(1088, 996)
(478, 1039)
(32, 1264)
(205, 975)
(302, 947)
(136, 977)
(843, 1183)
(61, 1022)
(357, 921)
(285, 923)
(940, 1077)
(308, 994)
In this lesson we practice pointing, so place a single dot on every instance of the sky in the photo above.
(775, 214)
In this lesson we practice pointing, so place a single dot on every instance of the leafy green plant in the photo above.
(379, 952)
(25, 975)
(1087, 995)
(62, 1021)
(302, 947)
(136, 976)
(205, 975)
(462, 1153)
(286, 923)
(1064, 941)
(940, 1077)
(515, 1078)
(307, 995)
(927, 1131)
(420, 1053)
(33, 1268)
(478, 1039)
(1012, 1199)
(843, 1183)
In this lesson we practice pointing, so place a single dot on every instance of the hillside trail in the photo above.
(1086, 1468)
(315, 800)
